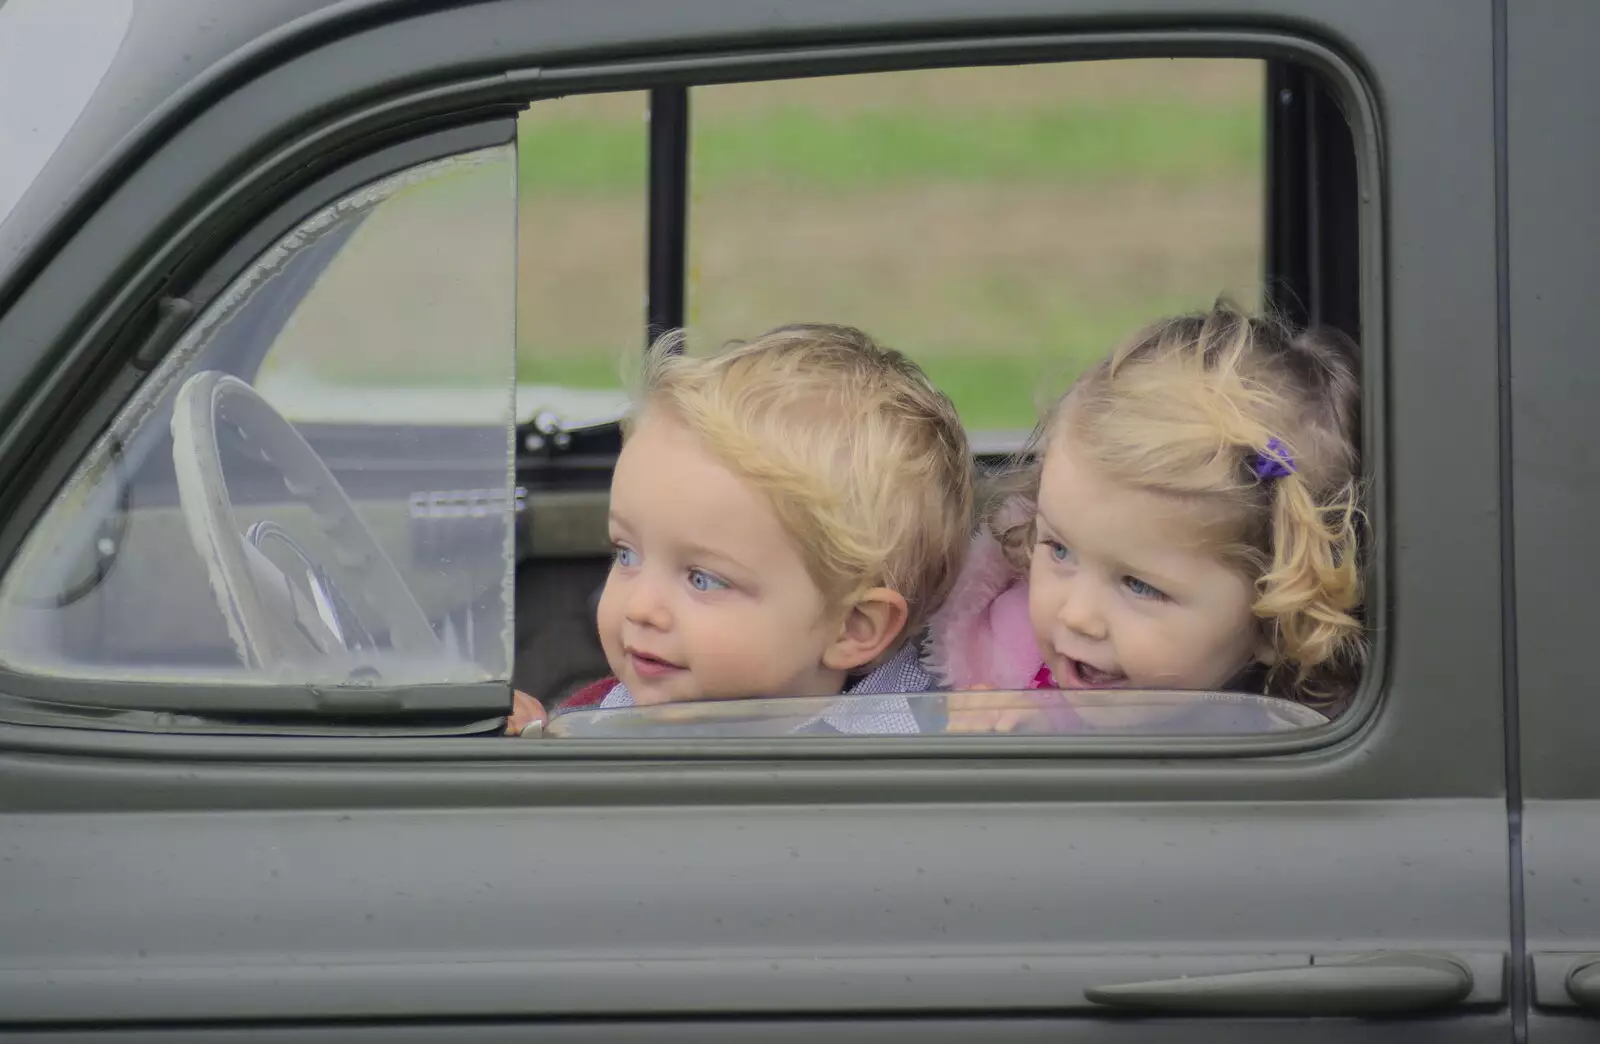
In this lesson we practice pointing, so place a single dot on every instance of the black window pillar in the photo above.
(669, 210)
(1312, 200)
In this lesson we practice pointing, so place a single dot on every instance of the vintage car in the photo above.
(280, 529)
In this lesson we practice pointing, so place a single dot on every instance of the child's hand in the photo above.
(525, 711)
(975, 710)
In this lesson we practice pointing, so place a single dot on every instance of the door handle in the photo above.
(1372, 984)
(1583, 985)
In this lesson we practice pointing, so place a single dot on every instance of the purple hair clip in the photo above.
(1274, 462)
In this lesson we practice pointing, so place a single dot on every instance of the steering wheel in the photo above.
(355, 604)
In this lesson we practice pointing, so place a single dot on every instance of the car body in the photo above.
(200, 858)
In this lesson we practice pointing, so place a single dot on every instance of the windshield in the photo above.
(53, 56)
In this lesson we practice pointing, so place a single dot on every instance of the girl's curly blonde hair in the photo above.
(1254, 426)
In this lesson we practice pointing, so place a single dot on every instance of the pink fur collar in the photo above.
(981, 636)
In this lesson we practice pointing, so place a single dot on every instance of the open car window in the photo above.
(1121, 712)
(582, 194)
(312, 492)
(1005, 226)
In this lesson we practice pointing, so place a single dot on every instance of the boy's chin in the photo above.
(651, 692)
(654, 694)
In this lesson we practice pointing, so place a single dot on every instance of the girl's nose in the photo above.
(1080, 611)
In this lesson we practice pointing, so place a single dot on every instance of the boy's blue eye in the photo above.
(701, 580)
(1141, 589)
(625, 556)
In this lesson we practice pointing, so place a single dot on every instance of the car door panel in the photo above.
(959, 1030)
(879, 889)
(1553, 106)
(670, 911)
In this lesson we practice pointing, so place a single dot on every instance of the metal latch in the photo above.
(549, 435)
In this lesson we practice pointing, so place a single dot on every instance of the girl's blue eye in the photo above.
(1058, 551)
(701, 580)
(1141, 589)
(625, 556)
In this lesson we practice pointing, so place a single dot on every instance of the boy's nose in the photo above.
(646, 604)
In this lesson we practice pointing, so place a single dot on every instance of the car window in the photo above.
(53, 56)
(1003, 226)
(400, 314)
(382, 456)
(314, 486)
(580, 264)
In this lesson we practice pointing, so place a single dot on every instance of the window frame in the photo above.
(510, 90)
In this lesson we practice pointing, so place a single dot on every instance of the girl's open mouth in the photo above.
(1088, 676)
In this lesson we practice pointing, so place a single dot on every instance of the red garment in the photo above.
(589, 696)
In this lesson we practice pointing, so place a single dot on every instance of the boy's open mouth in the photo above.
(1089, 676)
(649, 666)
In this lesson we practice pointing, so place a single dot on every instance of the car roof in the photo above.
(169, 52)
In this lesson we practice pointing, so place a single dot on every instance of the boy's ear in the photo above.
(870, 626)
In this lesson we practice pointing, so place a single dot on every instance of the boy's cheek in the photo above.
(609, 628)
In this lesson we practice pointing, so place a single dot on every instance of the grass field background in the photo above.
(1004, 226)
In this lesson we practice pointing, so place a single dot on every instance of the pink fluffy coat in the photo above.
(981, 637)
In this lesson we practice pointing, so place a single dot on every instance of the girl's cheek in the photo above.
(1038, 573)
(1042, 598)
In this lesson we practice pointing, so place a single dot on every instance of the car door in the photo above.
(1552, 160)
(1345, 883)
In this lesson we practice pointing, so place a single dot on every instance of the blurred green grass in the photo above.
(1005, 227)
(879, 149)
(992, 388)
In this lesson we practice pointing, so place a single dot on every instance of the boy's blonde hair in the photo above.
(1254, 426)
(864, 461)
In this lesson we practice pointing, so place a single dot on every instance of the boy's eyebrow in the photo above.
(721, 559)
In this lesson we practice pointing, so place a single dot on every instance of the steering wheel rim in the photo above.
(360, 568)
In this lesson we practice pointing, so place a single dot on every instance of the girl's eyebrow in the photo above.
(1168, 585)
(1159, 578)
(1156, 578)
